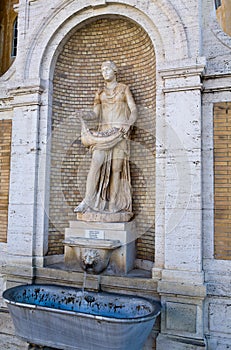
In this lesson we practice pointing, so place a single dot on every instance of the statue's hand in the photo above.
(124, 129)
(82, 115)
(94, 133)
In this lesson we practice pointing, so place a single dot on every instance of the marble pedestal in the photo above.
(122, 259)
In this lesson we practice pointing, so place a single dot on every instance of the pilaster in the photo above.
(179, 275)
(23, 182)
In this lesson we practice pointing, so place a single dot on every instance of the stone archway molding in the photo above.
(158, 18)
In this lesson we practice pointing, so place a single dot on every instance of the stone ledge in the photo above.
(219, 289)
(218, 342)
(91, 216)
(183, 289)
(134, 285)
(8, 340)
(11, 342)
(179, 343)
(186, 67)
(115, 226)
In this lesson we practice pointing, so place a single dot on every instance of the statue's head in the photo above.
(110, 64)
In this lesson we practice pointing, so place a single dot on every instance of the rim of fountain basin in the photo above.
(154, 305)
(97, 243)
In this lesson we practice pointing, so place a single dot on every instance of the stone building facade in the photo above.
(175, 56)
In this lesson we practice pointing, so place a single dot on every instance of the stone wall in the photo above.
(215, 156)
(76, 79)
(181, 32)
(8, 340)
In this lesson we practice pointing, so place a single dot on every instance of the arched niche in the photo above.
(159, 19)
(77, 76)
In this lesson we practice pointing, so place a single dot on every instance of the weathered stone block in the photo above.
(122, 259)
(220, 316)
(181, 317)
(178, 343)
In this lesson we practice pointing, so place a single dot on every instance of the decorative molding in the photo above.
(185, 88)
(183, 75)
(5, 104)
(179, 69)
(27, 90)
(60, 20)
(99, 3)
(26, 96)
(217, 83)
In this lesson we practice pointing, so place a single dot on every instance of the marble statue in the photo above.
(108, 187)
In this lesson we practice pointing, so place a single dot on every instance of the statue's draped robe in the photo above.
(114, 113)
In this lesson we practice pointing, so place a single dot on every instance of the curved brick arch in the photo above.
(158, 19)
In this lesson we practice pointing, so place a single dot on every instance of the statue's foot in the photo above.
(112, 207)
(81, 208)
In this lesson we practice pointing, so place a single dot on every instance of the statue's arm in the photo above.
(132, 107)
(97, 102)
(96, 109)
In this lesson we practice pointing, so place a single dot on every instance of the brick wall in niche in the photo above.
(77, 76)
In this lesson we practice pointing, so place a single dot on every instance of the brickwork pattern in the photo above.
(222, 180)
(5, 149)
(77, 77)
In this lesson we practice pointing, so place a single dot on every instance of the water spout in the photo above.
(91, 283)
(90, 259)
(84, 281)
(93, 255)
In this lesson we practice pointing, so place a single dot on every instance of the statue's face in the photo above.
(108, 73)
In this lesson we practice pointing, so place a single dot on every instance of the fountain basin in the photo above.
(93, 255)
(70, 319)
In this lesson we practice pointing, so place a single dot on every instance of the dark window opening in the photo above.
(217, 3)
(14, 38)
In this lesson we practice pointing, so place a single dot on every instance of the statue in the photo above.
(108, 187)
